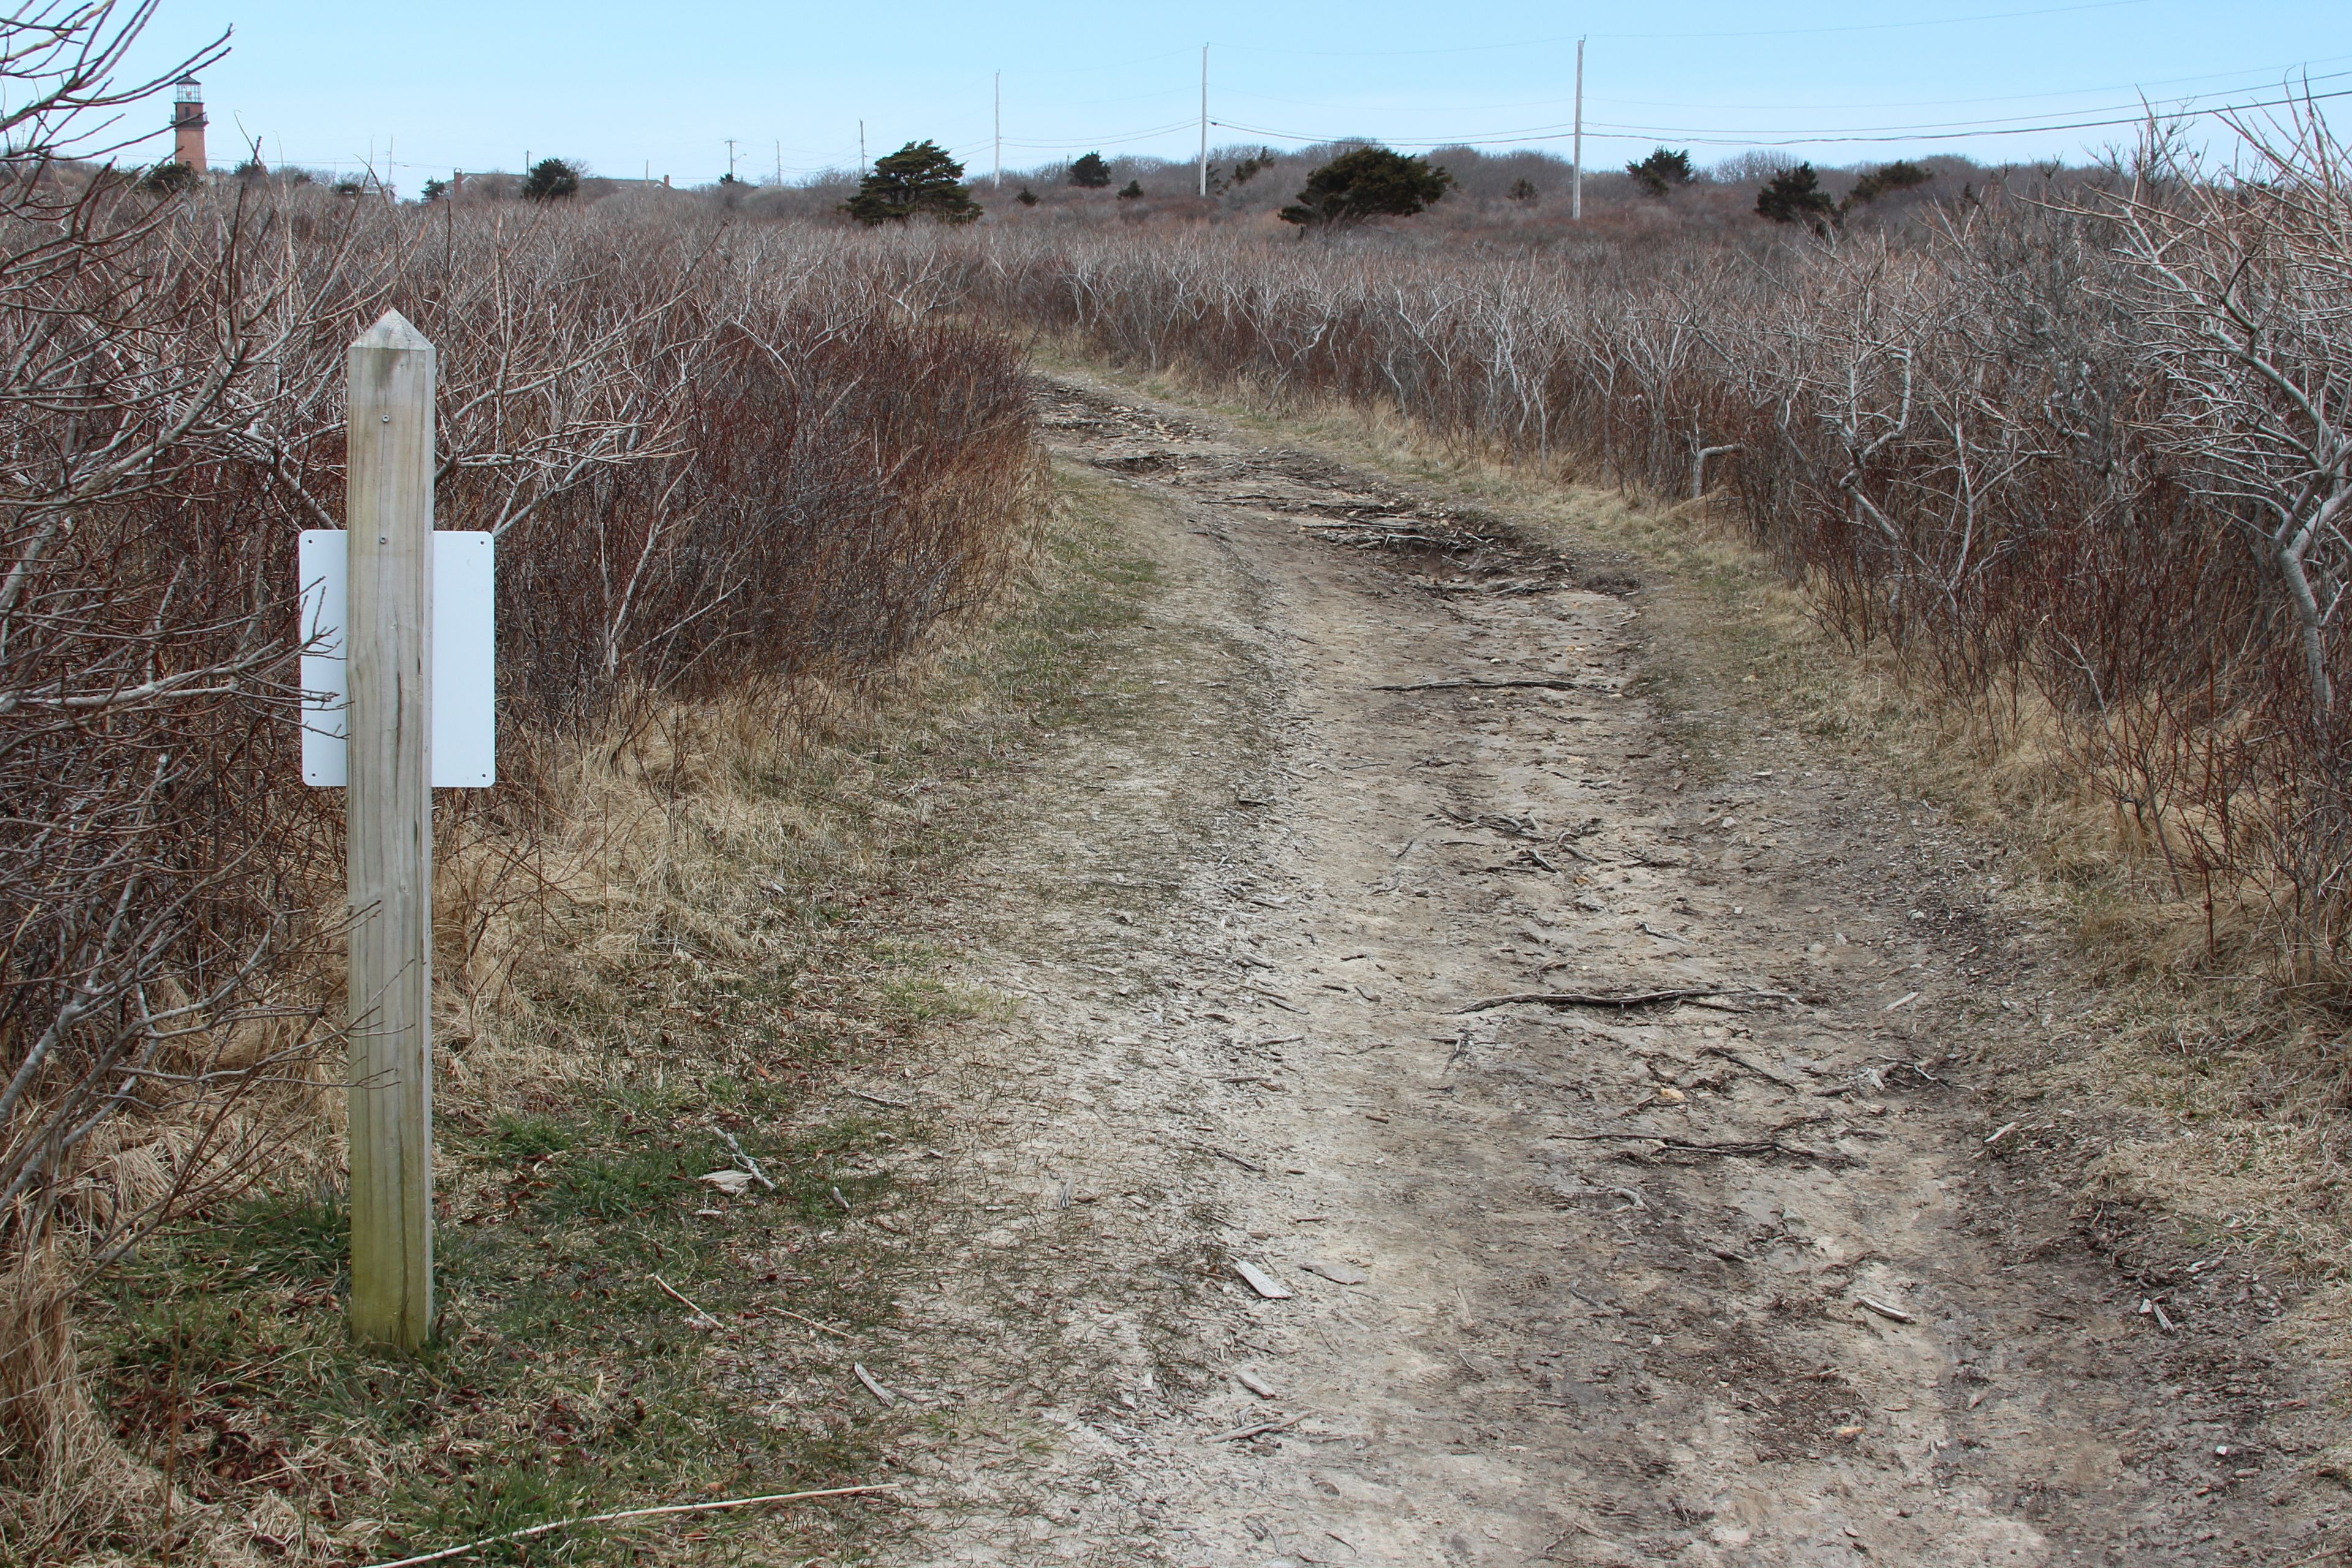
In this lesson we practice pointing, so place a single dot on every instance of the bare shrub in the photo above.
(2079, 457)
(712, 457)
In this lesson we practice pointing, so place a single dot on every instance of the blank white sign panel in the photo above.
(465, 658)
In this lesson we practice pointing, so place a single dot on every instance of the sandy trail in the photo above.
(1732, 1278)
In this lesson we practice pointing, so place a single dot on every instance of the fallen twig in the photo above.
(672, 1293)
(1728, 1054)
(872, 1388)
(2338, 1550)
(812, 1322)
(1258, 1429)
(1628, 999)
(724, 1503)
(750, 1167)
(1554, 684)
(1771, 1145)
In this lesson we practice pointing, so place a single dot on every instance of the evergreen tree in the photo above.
(551, 180)
(1793, 194)
(919, 179)
(1130, 191)
(1251, 167)
(1885, 180)
(1090, 173)
(1371, 182)
(1027, 198)
(1662, 171)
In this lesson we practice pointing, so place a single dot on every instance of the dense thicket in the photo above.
(2080, 453)
(708, 456)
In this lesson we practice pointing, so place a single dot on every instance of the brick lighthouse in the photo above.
(188, 123)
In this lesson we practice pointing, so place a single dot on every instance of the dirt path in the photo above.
(1729, 1278)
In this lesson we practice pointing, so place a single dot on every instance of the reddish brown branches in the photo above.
(708, 456)
(2084, 463)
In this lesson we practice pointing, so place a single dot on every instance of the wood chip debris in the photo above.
(1338, 1273)
(1254, 1382)
(1892, 1314)
(1259, 1280)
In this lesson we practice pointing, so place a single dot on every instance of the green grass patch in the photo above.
(564, 1378)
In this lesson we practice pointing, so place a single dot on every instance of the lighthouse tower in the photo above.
(188, 123)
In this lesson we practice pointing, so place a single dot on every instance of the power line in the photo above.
(1696, 35)
(1719, 138)
(2134, 112)
(2263, 77)
(1105, 141)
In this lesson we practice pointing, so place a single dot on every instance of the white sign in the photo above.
(465, 658)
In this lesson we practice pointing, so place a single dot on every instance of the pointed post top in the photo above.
(393, 331)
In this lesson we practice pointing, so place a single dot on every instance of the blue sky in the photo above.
(431, 84)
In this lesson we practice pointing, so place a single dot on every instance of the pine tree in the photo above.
(1885, 180)
(1371, 182)
(551, 180)
(1662, 170)
(1251, 167)
(1090, 172)
(1795, 193)
(919, 179)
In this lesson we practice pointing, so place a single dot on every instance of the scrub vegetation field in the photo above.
(858, 540)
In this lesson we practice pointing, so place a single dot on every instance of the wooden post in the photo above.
(389, 803)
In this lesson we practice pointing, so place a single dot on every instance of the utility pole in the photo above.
(779, 165)
(861, 147)
(730, 160)
(1576, 176)
(1000, 131)
(1205, 119)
